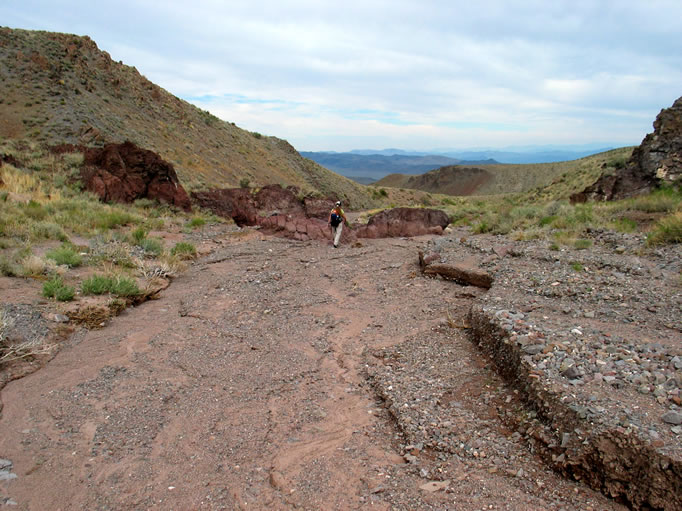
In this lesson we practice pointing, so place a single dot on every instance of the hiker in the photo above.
(336, 220)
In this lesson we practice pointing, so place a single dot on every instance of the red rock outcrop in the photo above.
(280, 211)
(126, 172)
(407, 222)
(235, 203)
(656, 161)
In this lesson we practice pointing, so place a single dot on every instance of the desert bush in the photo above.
(116, 285)
(65, 255)
(582, 244)
(34, 266)
(184, 250)
(244, 182)
(151, 246)
(8, 267)
(97, 285)
(138, 235)
(55, 288)
(196, 221)
(668, 230)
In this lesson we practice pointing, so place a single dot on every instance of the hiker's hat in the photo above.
(338, 202)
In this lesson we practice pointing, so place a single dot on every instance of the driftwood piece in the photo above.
(462, 274)
(457, 272)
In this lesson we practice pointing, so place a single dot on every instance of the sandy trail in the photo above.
(245, 386)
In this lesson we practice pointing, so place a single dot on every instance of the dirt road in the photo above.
(256, 382)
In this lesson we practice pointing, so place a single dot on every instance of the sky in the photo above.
(416, 75)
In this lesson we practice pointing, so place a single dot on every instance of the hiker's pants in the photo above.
(336, 232)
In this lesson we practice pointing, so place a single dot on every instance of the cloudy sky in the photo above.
(340, 75)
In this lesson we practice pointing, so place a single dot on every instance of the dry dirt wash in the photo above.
(255, 382)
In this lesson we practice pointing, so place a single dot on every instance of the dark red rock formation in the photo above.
(280, 211)
(399, 222)
(125, 172)
(658, 160)
(235, 203)
(273, 199)
(317, 207)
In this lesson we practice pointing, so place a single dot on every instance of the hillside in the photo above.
(60, 88)
(558, 179)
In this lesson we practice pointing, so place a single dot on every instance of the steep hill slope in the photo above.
(60, 88)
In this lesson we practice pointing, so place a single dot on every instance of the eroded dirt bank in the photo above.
(279, 375)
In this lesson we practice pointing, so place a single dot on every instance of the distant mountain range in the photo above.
(514, 154)
(369, 165)
(367, 168)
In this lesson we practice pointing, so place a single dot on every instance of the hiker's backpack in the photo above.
(335, 220)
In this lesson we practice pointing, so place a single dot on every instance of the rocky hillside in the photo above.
(657, 161)
(557, 179)
(60, 88)
(451, 180)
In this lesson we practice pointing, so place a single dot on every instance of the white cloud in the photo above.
(409, 73)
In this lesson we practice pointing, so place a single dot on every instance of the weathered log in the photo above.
(460, 273)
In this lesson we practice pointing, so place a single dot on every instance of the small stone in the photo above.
(676, 429)
(533, 349)
(672, 418)
(434, 486)
(61, 318)
(589, 314)
(571, 373)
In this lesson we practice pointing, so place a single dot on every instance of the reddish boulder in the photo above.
(125, 172)
(235, 203)
(273, 199)
(404, 222)
(316, 207)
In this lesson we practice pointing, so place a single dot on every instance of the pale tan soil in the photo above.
(257, 381)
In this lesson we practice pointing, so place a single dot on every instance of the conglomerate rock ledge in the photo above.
(592, 342)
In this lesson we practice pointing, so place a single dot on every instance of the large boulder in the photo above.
(273, 199)
(404, 222)
(235, 203)
(658, 160)
(126, 172)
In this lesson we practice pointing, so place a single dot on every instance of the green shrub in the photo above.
(244, 182)
(65, 255)
(97, 285)
(582, 244)
(151, 246)
(55, 288)
(65, 294)
(625, 225)
(547, 220)
(35, 211)
(125, 286)
(113, 219)
(184, 250)
(196, 221)
(7, 267)
(667, 230)
(138, 235)
(577, 266)
(116, 285)
(481, 228)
